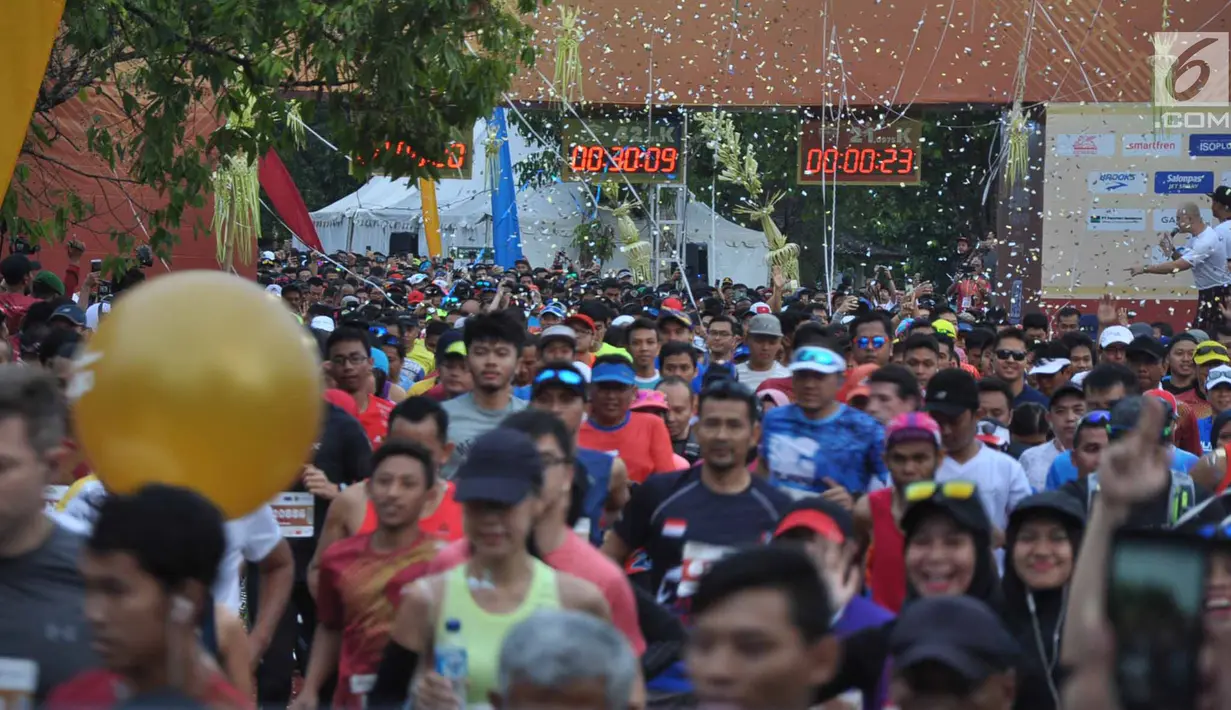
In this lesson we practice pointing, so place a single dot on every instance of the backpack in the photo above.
(1182, 495)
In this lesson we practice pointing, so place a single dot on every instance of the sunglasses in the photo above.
(568, 377)
(379, 331)
(873, 343)
(1210, 350)
(928, 490)
(1098, 416)
(1217, 377)
(1018, 355)
(819, 356)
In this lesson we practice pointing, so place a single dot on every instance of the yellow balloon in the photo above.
(199, 379)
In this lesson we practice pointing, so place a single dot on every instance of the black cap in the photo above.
(958, 632)
(968, 514)
(1221, 195)
(1068, 388)
(502, 466)
(1146, 345)
(1055, 503)
(564, 375)
(14, 268)
(1126, 412)
(952, 392)
(447, 338)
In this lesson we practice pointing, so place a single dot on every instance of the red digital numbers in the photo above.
(624, 159)
(860, 161)
(456, 155)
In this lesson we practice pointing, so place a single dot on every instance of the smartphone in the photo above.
(1155, 598)
(96, 265)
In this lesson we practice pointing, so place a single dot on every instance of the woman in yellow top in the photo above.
(495, 584)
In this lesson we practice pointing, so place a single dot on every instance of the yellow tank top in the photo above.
(483, 632)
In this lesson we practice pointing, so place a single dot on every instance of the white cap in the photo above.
(1115, 334)
(622, 321)
(812, 358)
(1220, 375)
(275, 289)
(461, 323)
(584, 369)
(267, 255)
(761, 308)
(1079, 378)
(324, 323)
(1049, 367)
(418, 279)
(444, 285)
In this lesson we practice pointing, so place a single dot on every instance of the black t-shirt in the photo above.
(677, 526)
(344, 455)
(1153, 513)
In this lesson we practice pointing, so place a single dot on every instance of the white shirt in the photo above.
(1002, 482)
(1208, 255)
(250, 538)
(752, 379)
(1036, 461)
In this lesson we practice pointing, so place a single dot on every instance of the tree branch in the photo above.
(93, 176)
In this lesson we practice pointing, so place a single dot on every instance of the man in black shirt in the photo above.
(686, 521)
(341, 458)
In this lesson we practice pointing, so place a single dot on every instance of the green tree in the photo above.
(419, 71)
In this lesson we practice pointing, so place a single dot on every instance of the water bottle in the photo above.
(451, 661)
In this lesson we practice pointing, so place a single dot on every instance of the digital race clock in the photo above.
(607, 149)
(454, 162)
(859, 154)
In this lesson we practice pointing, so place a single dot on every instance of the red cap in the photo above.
(414, 297)
(814, 520)
(587, 321)
(1166, 397)
(856, 383)
(673, 303)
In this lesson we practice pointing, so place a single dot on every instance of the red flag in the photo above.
(287, 201)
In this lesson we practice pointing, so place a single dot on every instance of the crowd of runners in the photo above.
(548, 487)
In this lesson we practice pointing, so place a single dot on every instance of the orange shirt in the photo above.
(375, 419)
(642, 441)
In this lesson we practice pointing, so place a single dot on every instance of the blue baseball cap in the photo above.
(554, 309)
(618, 373)
(71, 312)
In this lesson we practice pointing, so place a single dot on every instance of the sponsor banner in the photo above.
(1079, 144)
(1201, 145)
(1164, 218)
(295, 513)
(1114, 219)
(1183, 182)
(1117, 183)
(1149, 144)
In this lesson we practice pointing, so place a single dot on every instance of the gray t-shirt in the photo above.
(468, 422)
(42, 618)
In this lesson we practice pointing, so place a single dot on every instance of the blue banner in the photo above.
(1216, 145)
(1183, 182)
(506, 231)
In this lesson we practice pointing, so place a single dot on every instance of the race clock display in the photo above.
(606, 149)
(454, 162)
(855, 154)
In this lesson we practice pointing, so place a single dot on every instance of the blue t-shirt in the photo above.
(800, 453)
(1030, 394)
(522, 392)
(1062, 469)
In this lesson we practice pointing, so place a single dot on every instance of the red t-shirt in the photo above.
(375, 419)
(101, 689)
(970, 293)
(14, 307)
(642, 441)
(356, 595)
(886, 563)
(582, 560)
(445, 523)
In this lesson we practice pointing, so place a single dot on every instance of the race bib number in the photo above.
(295, 513)
(18, 681)
(52, 495)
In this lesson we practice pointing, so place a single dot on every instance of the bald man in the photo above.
(1206, 256)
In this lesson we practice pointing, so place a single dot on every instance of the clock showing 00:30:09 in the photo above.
(631, 159)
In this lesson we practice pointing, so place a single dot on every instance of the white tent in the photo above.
(369, 215)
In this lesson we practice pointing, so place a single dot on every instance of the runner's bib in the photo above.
(296, 513)
(18, 681)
